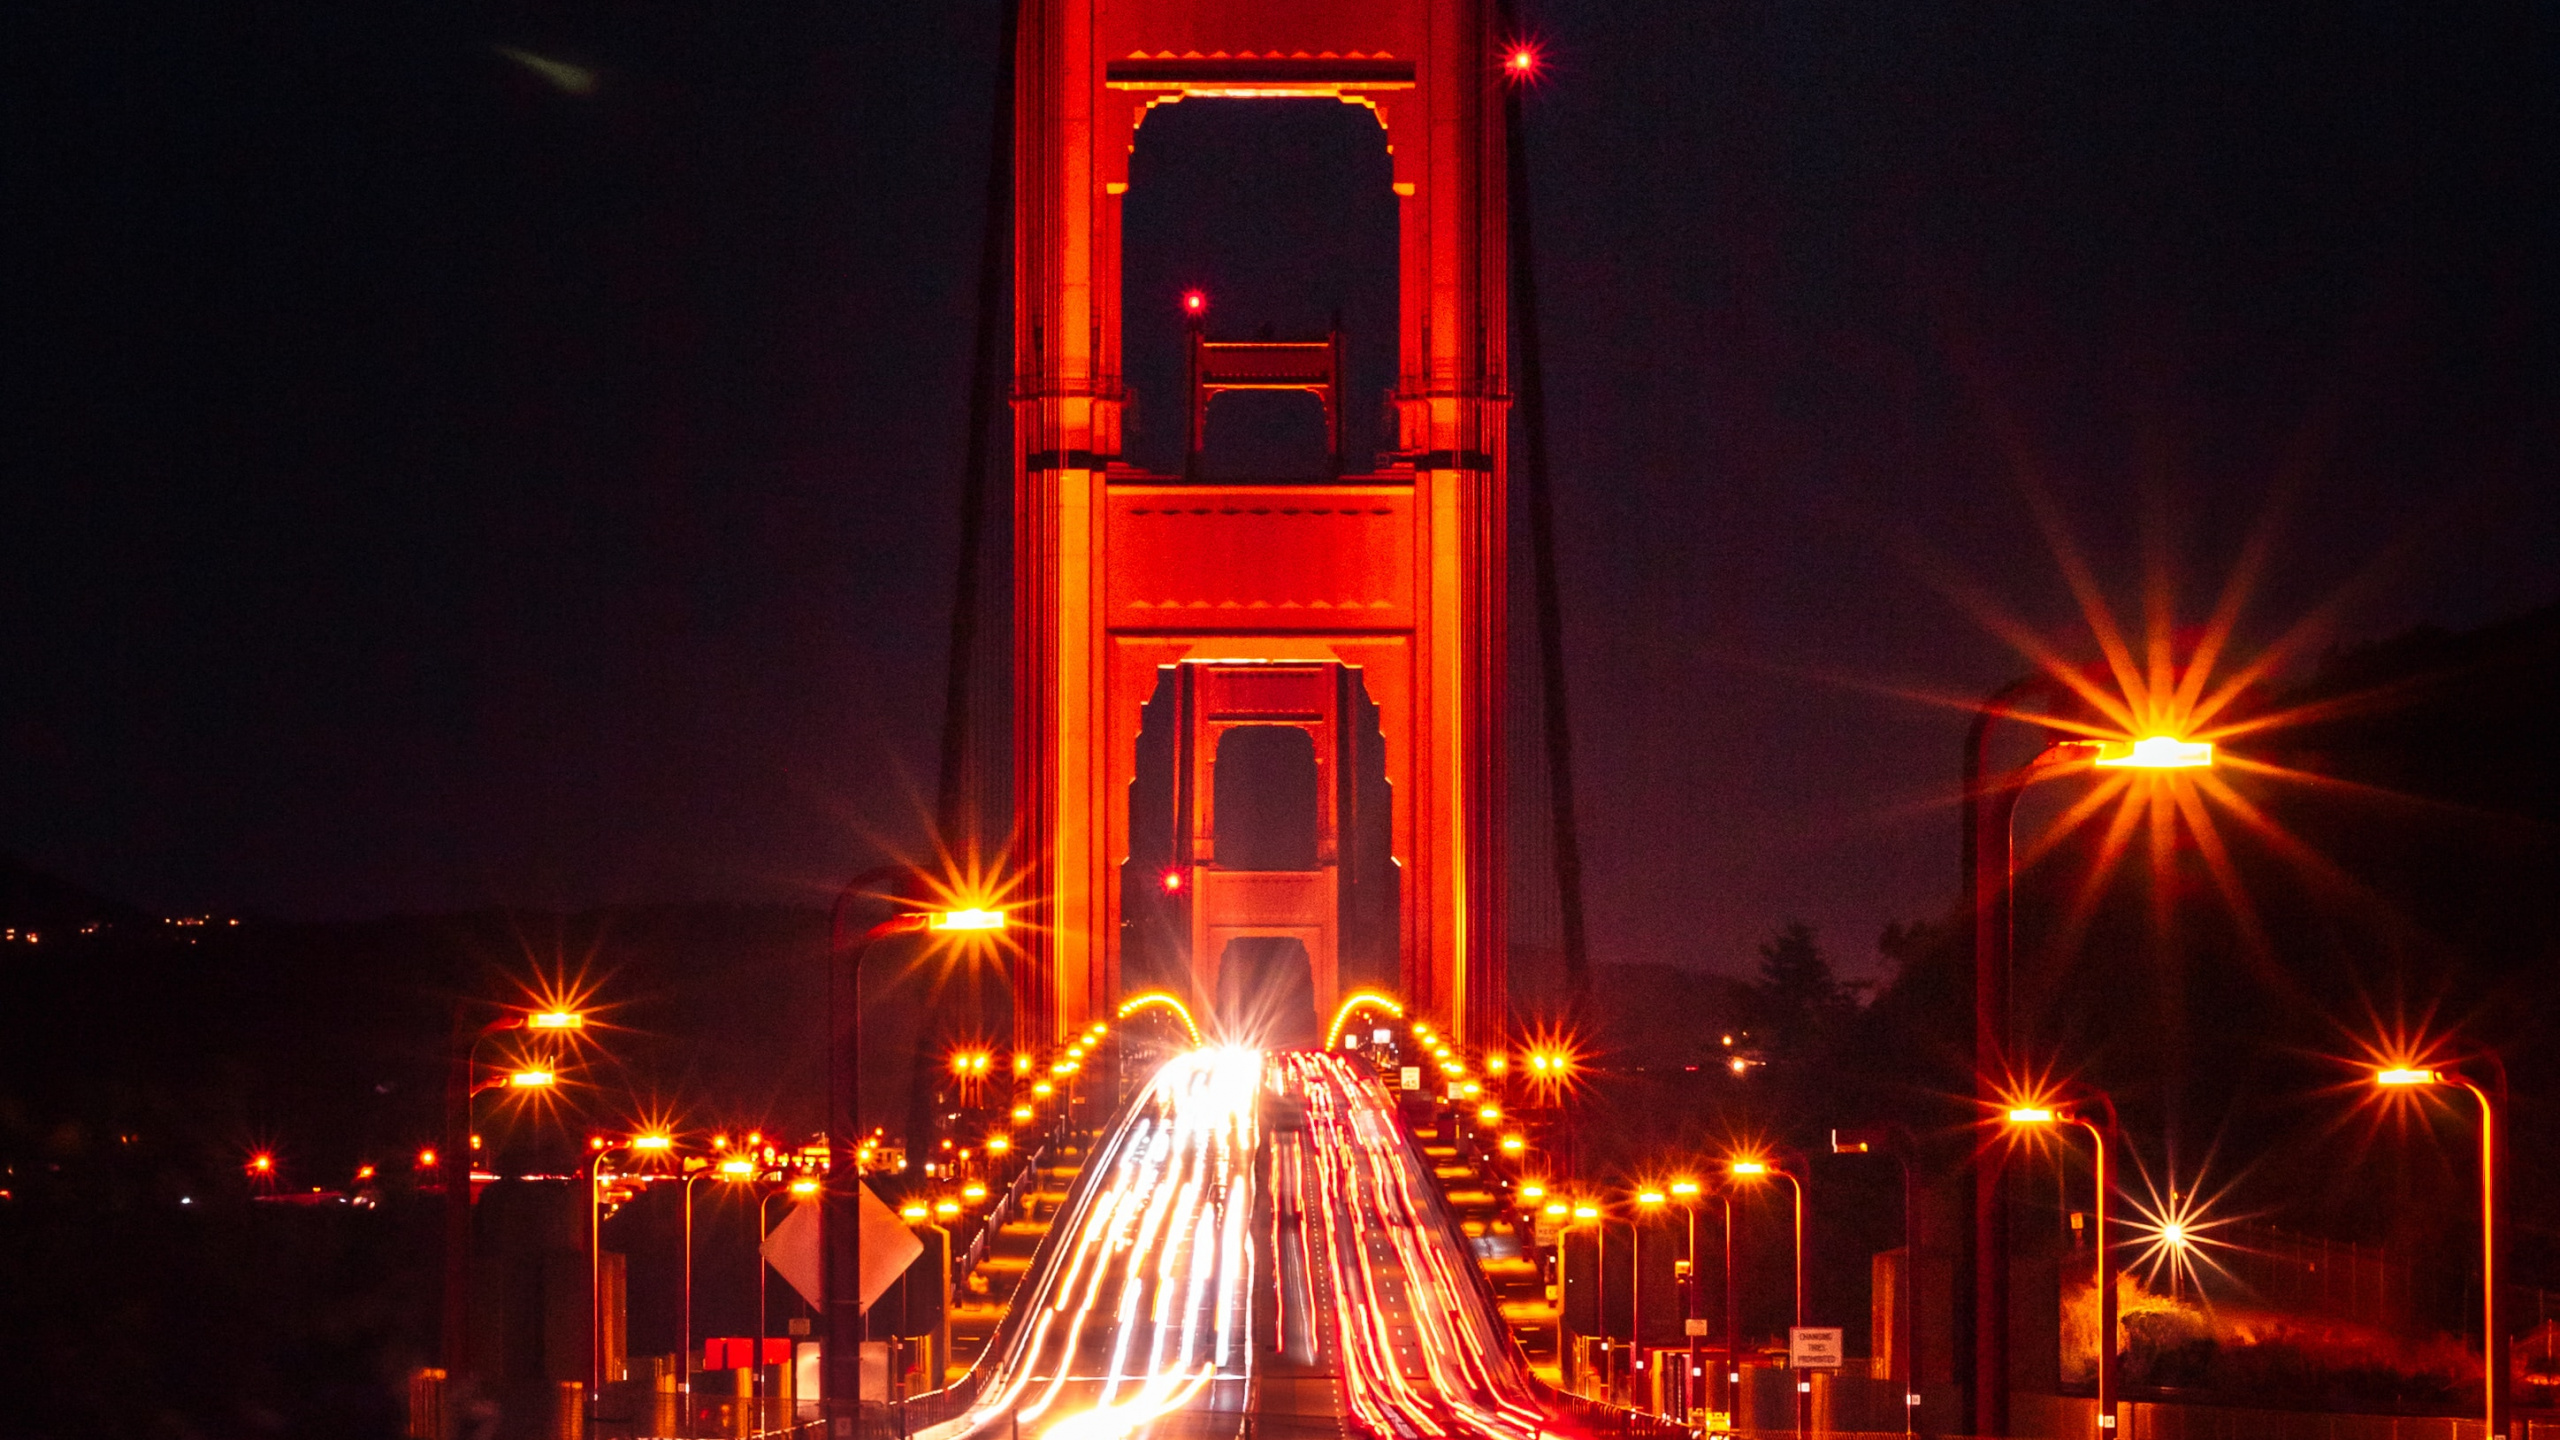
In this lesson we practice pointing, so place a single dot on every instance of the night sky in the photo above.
(432, 481)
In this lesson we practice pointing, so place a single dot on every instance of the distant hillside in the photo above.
(328, 1041)
(30, 899)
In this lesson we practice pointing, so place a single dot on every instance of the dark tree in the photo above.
(1798, 1003)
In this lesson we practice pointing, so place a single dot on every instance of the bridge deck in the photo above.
(1255, 1251)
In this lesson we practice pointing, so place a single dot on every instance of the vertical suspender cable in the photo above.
(1530, 378)
(953, 813)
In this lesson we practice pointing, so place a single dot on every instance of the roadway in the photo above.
(1260, 1254)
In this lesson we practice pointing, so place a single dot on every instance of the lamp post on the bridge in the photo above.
(1754, 1169)
(1690, 1195)
(731, 1170)
(1648, 1202)
(1990, 892)
(2100, 1131)
(2493, 1119)
(649, 1144)
(840, 1205)
(1895, 1141)
(800, 1188)
(1583, 1212)
(460, 1088)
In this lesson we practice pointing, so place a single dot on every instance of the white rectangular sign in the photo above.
(1813, 1347)
(1694, 1325)
(1411, 1077)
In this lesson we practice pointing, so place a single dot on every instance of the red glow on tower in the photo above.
(1195, 303)
(1173, 882)
(1520, 62)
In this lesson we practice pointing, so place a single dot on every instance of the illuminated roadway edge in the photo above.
(1254, 1247)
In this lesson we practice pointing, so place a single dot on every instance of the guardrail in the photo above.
(1598, 1417)
(1001, 1212)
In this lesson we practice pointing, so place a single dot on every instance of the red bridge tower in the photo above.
(1269, 595)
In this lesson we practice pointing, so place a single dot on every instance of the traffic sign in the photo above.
(1694, 1325)
(1813, 1347)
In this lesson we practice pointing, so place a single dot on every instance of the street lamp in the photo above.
(527, 1079)
(461, 1068)
(1749, 1169)
(1688, 1194)
(1990, 891)
(804, 1188)
(2493, 1118)
(648, 1144)
(2099, 1130)
(1586, 1213)
(1648, 1202)
(1895, 1141)
(840, 1216)
(728, 1171)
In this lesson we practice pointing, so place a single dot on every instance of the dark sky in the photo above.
(431, 484)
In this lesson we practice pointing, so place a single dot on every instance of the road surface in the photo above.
(1261, 1255)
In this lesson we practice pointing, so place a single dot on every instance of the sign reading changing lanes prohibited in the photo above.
(1813, 1347)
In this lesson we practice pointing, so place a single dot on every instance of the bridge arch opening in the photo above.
(1265, 798)
(1267, 992)
(1281, 213)
(1268, 791)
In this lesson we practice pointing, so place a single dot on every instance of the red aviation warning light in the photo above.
(1173, 882)
(1195, 304)
(1520, 62)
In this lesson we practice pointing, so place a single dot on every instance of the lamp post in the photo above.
(638, 1145)
(840, 1215)
(1586, 1213)
(1648, 1202)
(1990, 892)
(1895, 1141)
(2099, 1130)
(2493, 1119)
(1689, 1194)
(461, 1066)
(802, 1189)
(1755, 1169)
(728, 1171)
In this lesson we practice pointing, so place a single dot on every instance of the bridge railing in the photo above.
(898, 1419)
